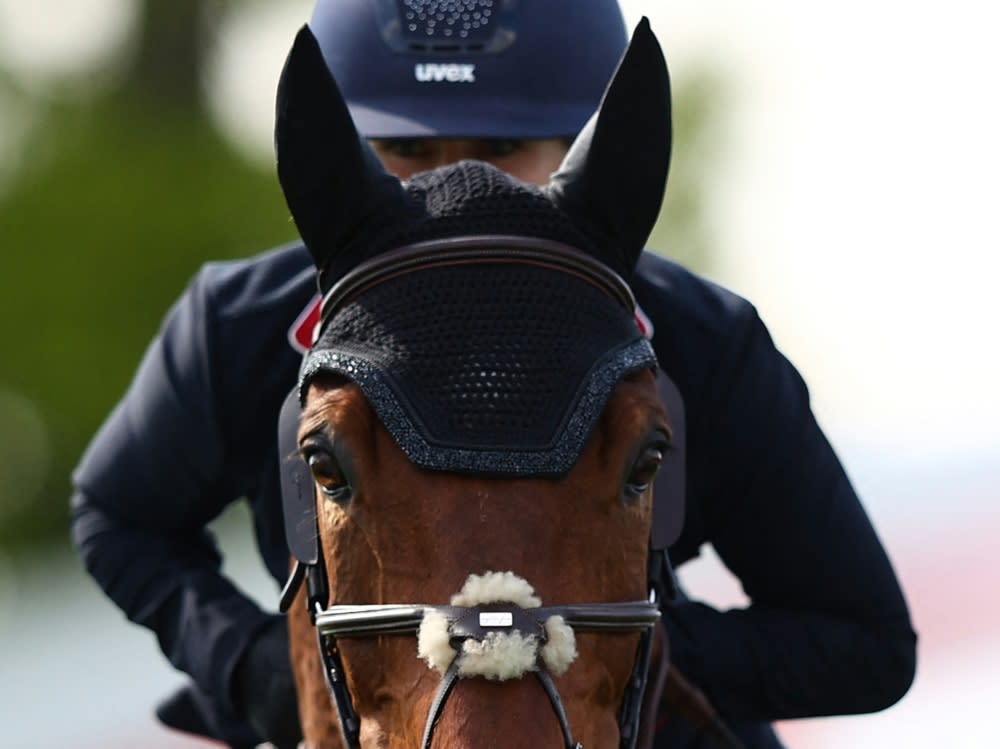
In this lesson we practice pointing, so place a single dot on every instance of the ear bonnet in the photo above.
(486, 321)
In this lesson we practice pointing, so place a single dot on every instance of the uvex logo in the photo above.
(436, 72)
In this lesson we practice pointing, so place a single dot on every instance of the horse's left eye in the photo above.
(327, 474)
(644, 471)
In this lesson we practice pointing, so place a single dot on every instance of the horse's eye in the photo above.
(644, 471)
(327, 474)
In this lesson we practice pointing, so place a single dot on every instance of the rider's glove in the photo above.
(264, 689)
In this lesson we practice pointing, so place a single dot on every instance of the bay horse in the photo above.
(469, 455)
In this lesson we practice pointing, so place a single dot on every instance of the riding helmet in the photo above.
(470, 68)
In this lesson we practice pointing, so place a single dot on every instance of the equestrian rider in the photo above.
(827, 630)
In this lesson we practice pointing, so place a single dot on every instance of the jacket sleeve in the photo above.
(145, 489)
(827, 630)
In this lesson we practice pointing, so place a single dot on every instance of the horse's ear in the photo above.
(614, 175)
(331, 178)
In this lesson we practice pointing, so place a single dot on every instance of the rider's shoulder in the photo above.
(674, 297)
(265, 282)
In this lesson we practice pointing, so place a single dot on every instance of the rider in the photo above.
(827, 631)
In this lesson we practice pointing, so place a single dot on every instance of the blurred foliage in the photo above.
(117, 199)
(97, 244)
(682, 232)
(116, 203)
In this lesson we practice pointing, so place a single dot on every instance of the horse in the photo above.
(469, 455)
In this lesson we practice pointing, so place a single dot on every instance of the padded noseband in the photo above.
(465, 623)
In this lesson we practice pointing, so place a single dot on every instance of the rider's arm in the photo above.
(150, 481)
(828, 630)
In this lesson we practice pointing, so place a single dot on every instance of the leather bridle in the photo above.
(358, 621)
(353, 621)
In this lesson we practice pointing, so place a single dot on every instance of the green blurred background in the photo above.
(117, 191)
(116, 184)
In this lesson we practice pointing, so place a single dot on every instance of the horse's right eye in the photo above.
(644, 471)
(328, 476)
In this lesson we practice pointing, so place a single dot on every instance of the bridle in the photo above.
(473, 622)
(464, 623)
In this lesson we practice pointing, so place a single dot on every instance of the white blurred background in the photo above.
(850, 190)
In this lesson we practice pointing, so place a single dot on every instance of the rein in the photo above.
(474, 623)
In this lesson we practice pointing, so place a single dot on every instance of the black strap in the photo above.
(353, 620)
(669, 487)
(369, 620)
(444, 689)
(499, 248)
(669, 493)
(628, 717)
(660, 573)
(298, 498)
(350, 726)
(557, 706)
(451, 677)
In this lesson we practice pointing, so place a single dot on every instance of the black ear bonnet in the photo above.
(485, 320)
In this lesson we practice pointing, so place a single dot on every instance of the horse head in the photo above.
(473, 439)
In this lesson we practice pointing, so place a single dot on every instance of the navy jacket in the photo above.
(828, 631)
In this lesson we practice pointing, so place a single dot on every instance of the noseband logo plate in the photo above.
(496, 619)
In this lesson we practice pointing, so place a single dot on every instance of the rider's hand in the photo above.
(264, 689)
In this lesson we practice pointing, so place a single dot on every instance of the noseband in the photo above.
(475, 623)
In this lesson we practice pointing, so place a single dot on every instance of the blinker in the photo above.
(297, 492)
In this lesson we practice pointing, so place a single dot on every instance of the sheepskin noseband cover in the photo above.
(488, 368)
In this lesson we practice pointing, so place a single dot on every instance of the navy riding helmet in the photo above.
(470, 68)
